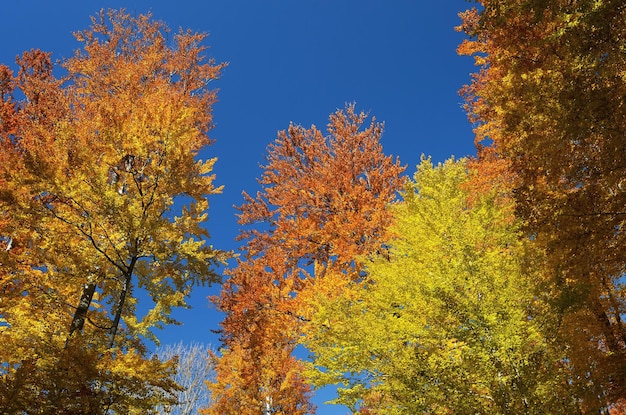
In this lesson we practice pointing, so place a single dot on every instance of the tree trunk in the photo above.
(120, 305)
(78, 321)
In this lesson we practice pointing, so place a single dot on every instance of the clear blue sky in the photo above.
(291, 60)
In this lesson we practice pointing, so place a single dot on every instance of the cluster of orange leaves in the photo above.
(323, 205)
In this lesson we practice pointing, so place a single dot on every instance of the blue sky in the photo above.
(291, 61)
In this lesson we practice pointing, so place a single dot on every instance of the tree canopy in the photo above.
(93, 162)
(491, 284)
(548, 102)
(447, 320)
(324, 202)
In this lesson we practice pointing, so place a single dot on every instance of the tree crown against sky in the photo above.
(93, 164)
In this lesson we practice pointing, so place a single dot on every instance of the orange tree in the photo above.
(90, 166)
(323, 203)
(549, 106)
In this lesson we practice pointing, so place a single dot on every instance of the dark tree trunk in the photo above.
(78, 321)
(120, 306)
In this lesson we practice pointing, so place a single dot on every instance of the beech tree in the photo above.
(548, 102)
(448, 319)
(323, 203)
(91, 163)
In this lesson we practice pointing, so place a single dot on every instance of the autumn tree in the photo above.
(549, 102)
(102, 201)
(323, 203)
(447, 320)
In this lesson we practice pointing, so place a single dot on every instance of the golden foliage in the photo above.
(91, 166)
(549, 100)
(448, 320)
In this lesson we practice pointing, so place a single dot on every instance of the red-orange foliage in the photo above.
(619, 408)
(323, 204)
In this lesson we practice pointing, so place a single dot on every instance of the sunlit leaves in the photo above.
(323, 202)
(102, 197)
(549, 100)
(448, 320)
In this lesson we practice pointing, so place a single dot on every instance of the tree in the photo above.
(323, 202)
(256, 372)
(549, 102)
(103, 199)
(448, 320)
(193, 369)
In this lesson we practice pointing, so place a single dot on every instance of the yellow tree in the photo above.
(92, 165)
(549, 101)
(323, 203)
(448, 320)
